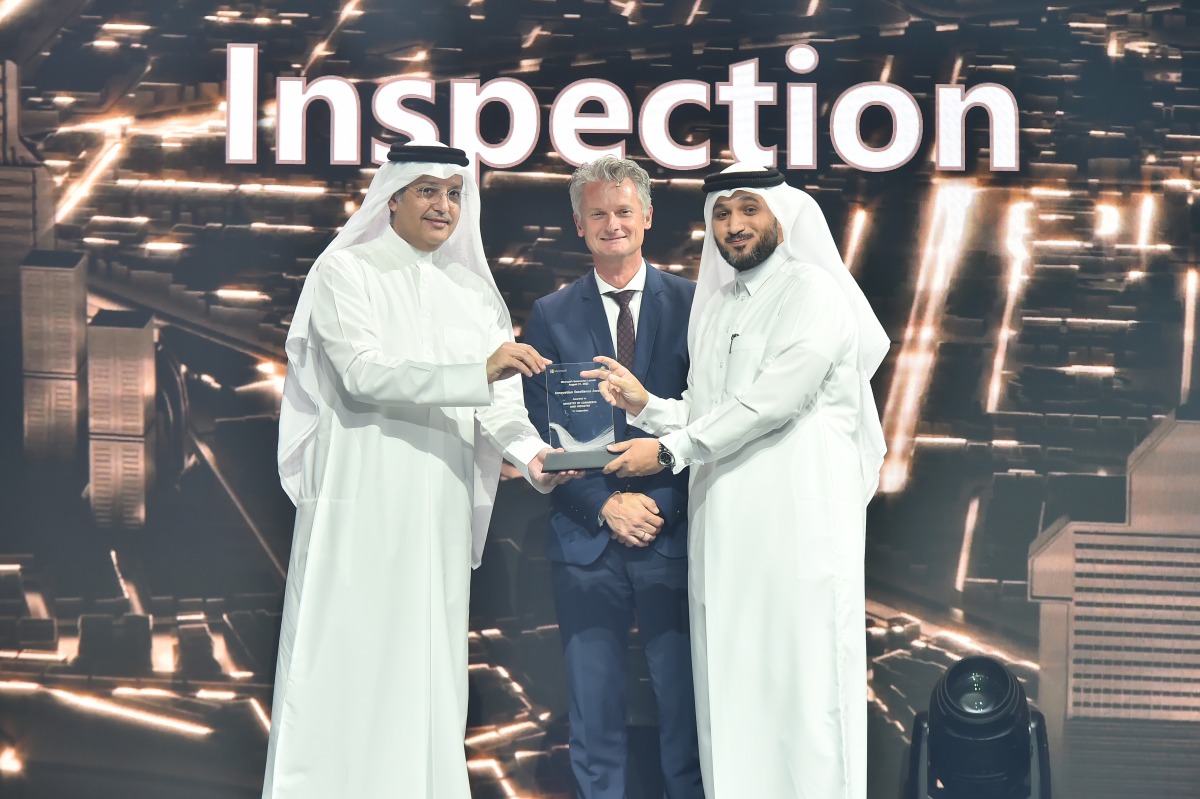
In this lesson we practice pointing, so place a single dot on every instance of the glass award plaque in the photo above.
(581, 422)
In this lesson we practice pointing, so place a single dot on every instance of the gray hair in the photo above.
(610, 169)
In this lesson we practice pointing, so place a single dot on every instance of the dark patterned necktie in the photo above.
(625, 335)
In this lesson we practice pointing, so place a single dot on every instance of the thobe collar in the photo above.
(748, 282)
(404, 252)
(636, 283)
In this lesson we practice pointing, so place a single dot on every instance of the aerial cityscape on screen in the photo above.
(1038, 499)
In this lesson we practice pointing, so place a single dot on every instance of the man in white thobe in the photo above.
(400, 349)
(780, 429)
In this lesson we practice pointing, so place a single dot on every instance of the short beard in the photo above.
(766, 246)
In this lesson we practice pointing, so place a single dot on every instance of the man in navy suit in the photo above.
(618, 547)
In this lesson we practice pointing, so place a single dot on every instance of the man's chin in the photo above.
(739, 261)
(748, 258)
(430, 243)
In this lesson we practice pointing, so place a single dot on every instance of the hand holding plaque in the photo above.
(580, 420)
(618, 386)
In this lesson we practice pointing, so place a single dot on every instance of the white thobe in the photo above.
(768, 425)
(371, 683)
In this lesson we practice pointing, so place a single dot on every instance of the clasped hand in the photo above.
(632, 518)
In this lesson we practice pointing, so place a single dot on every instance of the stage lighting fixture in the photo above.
(979, 740)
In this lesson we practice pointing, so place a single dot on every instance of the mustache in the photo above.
(734, 237)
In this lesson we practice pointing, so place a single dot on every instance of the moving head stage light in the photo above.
(979, 740)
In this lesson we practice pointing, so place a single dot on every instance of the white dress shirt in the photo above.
(612, 308)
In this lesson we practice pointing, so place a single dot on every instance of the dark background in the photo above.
(1042, 323)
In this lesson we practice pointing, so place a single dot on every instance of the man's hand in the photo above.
(639, 458)
(633, 519)
(618, 386)
(510, 359)
(549, 479)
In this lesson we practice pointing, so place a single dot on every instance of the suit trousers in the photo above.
(597, 605)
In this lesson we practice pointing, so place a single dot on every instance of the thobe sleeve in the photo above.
(348, 338)
(820, 333)
(664, 415)
(504, 421)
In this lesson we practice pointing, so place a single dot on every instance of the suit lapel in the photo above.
(594, 317)
(647, 326)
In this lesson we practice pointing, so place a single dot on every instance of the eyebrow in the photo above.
(731, 200)
(428, 182)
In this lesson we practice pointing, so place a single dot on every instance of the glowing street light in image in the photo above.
(163, 246)
(242, 295)
(1060, 244)
(261, 715)
(157, 693)
(857, 224)
(886, 73)
(493, 767)
(939, 441)
(10, 763)
(1108, 221)
(1015, 242)
(1045, 191)
(350, 9)
(8, 7)
(124, 27)
(1145, 220)
(104, 707)
(83, 187)
(95, 705)
(964, 555)
(917, 358)
(1099, 370)
(1189, 335)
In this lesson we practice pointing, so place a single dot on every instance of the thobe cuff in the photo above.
(521, 452)
(653, 418)
(468, 380)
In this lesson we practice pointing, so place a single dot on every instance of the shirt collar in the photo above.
(637, 283)
(751, 280)
(404, 251)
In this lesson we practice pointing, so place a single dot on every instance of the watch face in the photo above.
(665, 458)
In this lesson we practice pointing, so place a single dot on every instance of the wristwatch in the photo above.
(665, 457)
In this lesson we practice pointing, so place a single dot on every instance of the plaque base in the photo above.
(578, 459)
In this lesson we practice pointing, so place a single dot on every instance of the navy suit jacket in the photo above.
(570, 326)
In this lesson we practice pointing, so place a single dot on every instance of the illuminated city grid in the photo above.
(1043, 321)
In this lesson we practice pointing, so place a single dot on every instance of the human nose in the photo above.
(442, 201)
